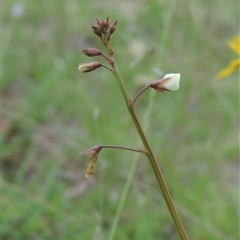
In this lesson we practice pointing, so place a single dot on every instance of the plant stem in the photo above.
(123, 148)
(137, 96)
(108, 68)
(130, 175)
(151, 157)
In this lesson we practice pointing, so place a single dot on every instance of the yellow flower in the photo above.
(233, 65)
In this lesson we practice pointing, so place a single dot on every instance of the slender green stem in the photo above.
(151, 158)
(104, 56)
(122, 147)
(130, 175)
(138, 95)
(108, 68)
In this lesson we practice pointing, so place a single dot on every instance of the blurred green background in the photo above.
(51, 112)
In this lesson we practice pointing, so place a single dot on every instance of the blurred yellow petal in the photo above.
(226, 72)
(235, 63)
(234, 44)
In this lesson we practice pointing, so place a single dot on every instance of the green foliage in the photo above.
(51, 112)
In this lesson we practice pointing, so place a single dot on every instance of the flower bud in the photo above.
(96, 29)
(91, 52)
(99, 21)
(88, 67)
(170, 82)
(107, 23)
(113, 27)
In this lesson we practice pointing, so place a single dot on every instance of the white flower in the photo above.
(170, 82)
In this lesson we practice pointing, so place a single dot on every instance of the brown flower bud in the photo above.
(88, 67)
(96, 29)
(99, 21)
(91, 52)
(113, 27)
(107, 23)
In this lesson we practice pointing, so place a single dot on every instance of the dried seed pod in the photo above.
(91, 163)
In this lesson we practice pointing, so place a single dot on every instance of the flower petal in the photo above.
(234, 44)
(233, 65)
(226, 72)
(172, 83)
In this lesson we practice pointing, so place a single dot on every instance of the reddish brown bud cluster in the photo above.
(104, 29)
